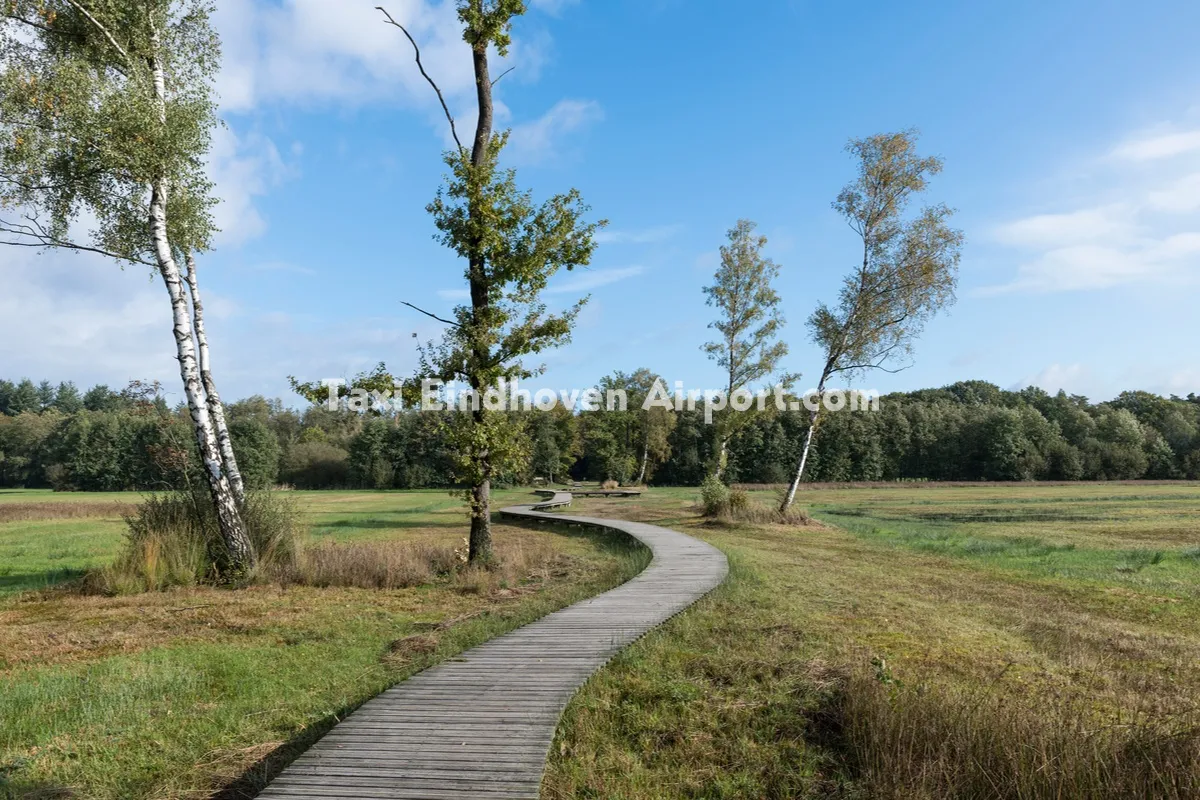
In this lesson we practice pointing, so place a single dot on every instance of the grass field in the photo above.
(921, 641)
(1016, 641)
(191, 692)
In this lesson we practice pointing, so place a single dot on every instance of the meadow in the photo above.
(915, 641)
(201, 692)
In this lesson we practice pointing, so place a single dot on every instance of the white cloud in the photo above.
(1086, 226)
(660, 233)
(541, 140)
(1154, 146)
(585, 280)
(242, 168)
(454, 295)
(1071, 378)
(1142, 234)
(1180, 197)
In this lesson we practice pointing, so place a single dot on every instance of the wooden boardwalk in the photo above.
(480, 725)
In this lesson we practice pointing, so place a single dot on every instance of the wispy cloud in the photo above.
(652, 235)
(1153, 146)
(454, 295)
(1142, 234)
(585, 280)
(543, 139)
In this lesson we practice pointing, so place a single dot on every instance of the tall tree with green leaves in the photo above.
(511, 248)
(106, 109)
(908, 272)
(750, 320)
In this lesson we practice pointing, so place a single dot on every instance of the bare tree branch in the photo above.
(502, 74)
(441, 98)
(35, 235)
(431, 315)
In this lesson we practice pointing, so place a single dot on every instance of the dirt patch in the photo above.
(27, 512)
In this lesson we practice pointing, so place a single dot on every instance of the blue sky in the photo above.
(1070, 133)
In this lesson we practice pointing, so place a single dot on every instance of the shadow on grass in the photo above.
(32, 581)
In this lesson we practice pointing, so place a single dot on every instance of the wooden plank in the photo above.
(480, 725)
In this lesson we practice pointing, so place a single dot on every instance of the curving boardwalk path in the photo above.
(480, 725)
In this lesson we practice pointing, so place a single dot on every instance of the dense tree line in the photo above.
(101, 440)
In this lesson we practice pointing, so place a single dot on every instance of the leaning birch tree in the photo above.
(106, 112)
(511, 248)
(908, 272)
(750, 319)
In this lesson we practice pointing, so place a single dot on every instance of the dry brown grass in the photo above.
(399, 565)
(32, 512)
(610, 484)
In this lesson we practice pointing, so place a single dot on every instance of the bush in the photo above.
(316, 465)
(714, 497)
(173, 540)
(718, 501)
(610, 484)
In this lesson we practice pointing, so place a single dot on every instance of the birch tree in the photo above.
(908, 272)
(511, 248)
(105, 113)
(748, 349)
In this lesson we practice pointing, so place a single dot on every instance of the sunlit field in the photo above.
(186, 692)
(915, 641)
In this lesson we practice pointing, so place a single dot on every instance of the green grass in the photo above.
(181, 693)
(1019, 641)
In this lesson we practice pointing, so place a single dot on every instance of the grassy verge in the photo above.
(967, 642)
(197, 691)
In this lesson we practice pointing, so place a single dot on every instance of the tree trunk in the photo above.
(722, 458)
(215, 408)
(239, 552)
(480, 543)
(808, 440)
(479, 547)
(641, 480)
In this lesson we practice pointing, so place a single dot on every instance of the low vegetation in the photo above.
(923, 642)
(195, 690)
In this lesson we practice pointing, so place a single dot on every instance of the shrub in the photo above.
(173, 540)
(714, 497)
(316, 465)
(610, 484)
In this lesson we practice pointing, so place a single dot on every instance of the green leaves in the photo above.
(80, 127)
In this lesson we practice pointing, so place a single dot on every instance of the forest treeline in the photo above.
(101, 440)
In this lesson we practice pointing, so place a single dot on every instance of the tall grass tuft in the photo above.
(917, 742)
(173, 540)
(723, 504)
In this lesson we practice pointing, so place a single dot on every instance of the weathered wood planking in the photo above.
(480, 725)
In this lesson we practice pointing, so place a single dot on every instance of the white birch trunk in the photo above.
(215, 408)
(238, 550)
(645, 460)
(808, 440)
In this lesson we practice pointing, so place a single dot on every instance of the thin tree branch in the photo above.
(103, 30)
(42, 238)
(428, 314)
(421, 67)
(502, 74)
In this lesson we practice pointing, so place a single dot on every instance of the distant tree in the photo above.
(108, 109)
(23, 399)
(749, 323)
(908, 273)
(101, 398)
(67, 398)
(257, 452)
(511, 248)
(45, 395)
